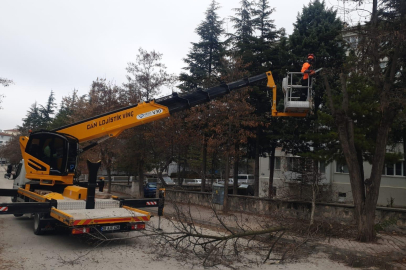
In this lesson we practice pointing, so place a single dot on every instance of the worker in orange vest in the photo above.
(308, 71)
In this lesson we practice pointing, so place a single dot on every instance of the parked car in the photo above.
(192, 182)
(168, 180)
(150, 190)
(246, 179)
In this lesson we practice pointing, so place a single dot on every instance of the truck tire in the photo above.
(38, 224)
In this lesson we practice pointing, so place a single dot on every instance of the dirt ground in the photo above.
(21, 249)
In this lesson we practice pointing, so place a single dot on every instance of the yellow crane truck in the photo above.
(45, 187)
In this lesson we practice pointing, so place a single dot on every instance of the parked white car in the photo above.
(246, 179)
(192, 182)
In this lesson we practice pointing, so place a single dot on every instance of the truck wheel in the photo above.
(38, 224)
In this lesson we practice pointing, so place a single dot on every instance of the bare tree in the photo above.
(4, 82)
(212, 238)
(148, 74)
(11, 150)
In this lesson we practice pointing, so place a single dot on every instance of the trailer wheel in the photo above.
(38, 224)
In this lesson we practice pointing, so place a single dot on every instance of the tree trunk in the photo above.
(314, 169)
(204, 162)
(141, 178)
(235, 170)
(256, 170)
(226, 177)
(313, 204)
(366, 221)
(271, 170)
(109, 179)
(227, 172)
(404, 149)
(178, 170)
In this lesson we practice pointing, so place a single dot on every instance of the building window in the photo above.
(277, 165)
(322, 167)
(293, 164)
(341, 168)
(394, 169)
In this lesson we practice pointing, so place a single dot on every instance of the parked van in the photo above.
(246, 179)
(192, 182)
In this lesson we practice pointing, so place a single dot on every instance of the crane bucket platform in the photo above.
(293, 102)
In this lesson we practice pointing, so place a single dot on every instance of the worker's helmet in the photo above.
(311, 56)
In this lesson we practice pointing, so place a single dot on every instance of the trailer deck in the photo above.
(74, 213)
(78, 217)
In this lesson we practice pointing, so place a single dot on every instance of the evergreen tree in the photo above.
(318, 31)
(266, 35)
(33, 121)
(205, 58)
(64, 115)
(254, 42)
(244, 24)
(39, 116)
(48, 110)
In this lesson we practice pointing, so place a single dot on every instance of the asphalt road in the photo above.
(21, 249)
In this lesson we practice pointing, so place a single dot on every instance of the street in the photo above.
(21, 249)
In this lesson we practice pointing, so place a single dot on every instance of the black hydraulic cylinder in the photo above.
(93, 168)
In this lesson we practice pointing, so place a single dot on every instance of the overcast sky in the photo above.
(65, 45)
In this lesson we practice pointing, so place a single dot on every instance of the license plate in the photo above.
(110, 228)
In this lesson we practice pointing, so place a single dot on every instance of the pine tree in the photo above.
(255, 43)
(204, 61)
(317, 30)
(64, 115)
(48, 110)
(244, 27)
(33, 121)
